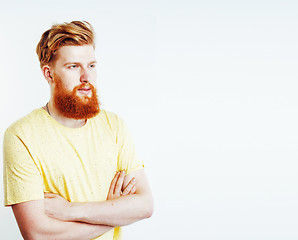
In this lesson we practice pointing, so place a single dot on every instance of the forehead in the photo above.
(84, 53)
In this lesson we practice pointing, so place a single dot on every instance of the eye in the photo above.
(72, 66)
(92, 65)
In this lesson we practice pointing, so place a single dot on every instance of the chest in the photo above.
(79, 166)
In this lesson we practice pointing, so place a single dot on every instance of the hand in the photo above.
(117, 189)
(56, 206)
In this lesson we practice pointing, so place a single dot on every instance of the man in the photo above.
(70, 169)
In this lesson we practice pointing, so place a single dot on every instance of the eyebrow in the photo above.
(78, 63)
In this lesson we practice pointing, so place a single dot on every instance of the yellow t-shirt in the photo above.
(41, 155)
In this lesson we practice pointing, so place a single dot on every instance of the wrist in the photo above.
(71, 212)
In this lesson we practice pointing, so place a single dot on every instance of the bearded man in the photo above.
(70, 168)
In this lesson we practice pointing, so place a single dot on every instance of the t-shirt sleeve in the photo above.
(21, 177)
(128, 159)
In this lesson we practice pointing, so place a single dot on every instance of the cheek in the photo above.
(68, 86)
(70, 82)
(93, 79)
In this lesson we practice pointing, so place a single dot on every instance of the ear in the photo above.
(47, 73)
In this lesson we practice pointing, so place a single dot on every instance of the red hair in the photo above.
(75, 33)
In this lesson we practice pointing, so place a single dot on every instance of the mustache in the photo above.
(84, 86)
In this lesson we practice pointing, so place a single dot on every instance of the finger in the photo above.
(129, 187)
(119, 183)
(133, 190)
(113, 183)
(50, 195)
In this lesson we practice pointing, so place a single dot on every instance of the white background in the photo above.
(209, 91)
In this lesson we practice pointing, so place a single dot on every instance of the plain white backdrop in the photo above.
(209, 91)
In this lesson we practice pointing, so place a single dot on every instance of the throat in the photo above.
(65, 121)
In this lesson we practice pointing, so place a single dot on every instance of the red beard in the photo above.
(70, 105)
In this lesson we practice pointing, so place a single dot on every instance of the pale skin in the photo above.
(129, 198)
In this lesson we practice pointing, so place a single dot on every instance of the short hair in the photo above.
(75, 33)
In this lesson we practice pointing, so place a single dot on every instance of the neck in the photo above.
(67, 122)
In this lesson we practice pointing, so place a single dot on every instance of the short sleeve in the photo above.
(127, 157)
(21, 177)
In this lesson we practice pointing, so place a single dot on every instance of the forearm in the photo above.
(34, 224)
(59, 230)
(118, 212)
(120, 208)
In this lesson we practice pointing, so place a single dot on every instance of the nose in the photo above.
(84, 75)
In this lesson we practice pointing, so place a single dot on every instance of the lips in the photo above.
(84, 89)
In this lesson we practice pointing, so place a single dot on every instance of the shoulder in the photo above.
(113, 120)
(109, 115)
(26, 123)
(110, 122)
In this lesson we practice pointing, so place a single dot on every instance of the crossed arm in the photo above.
(35, 225)
(129, 200)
